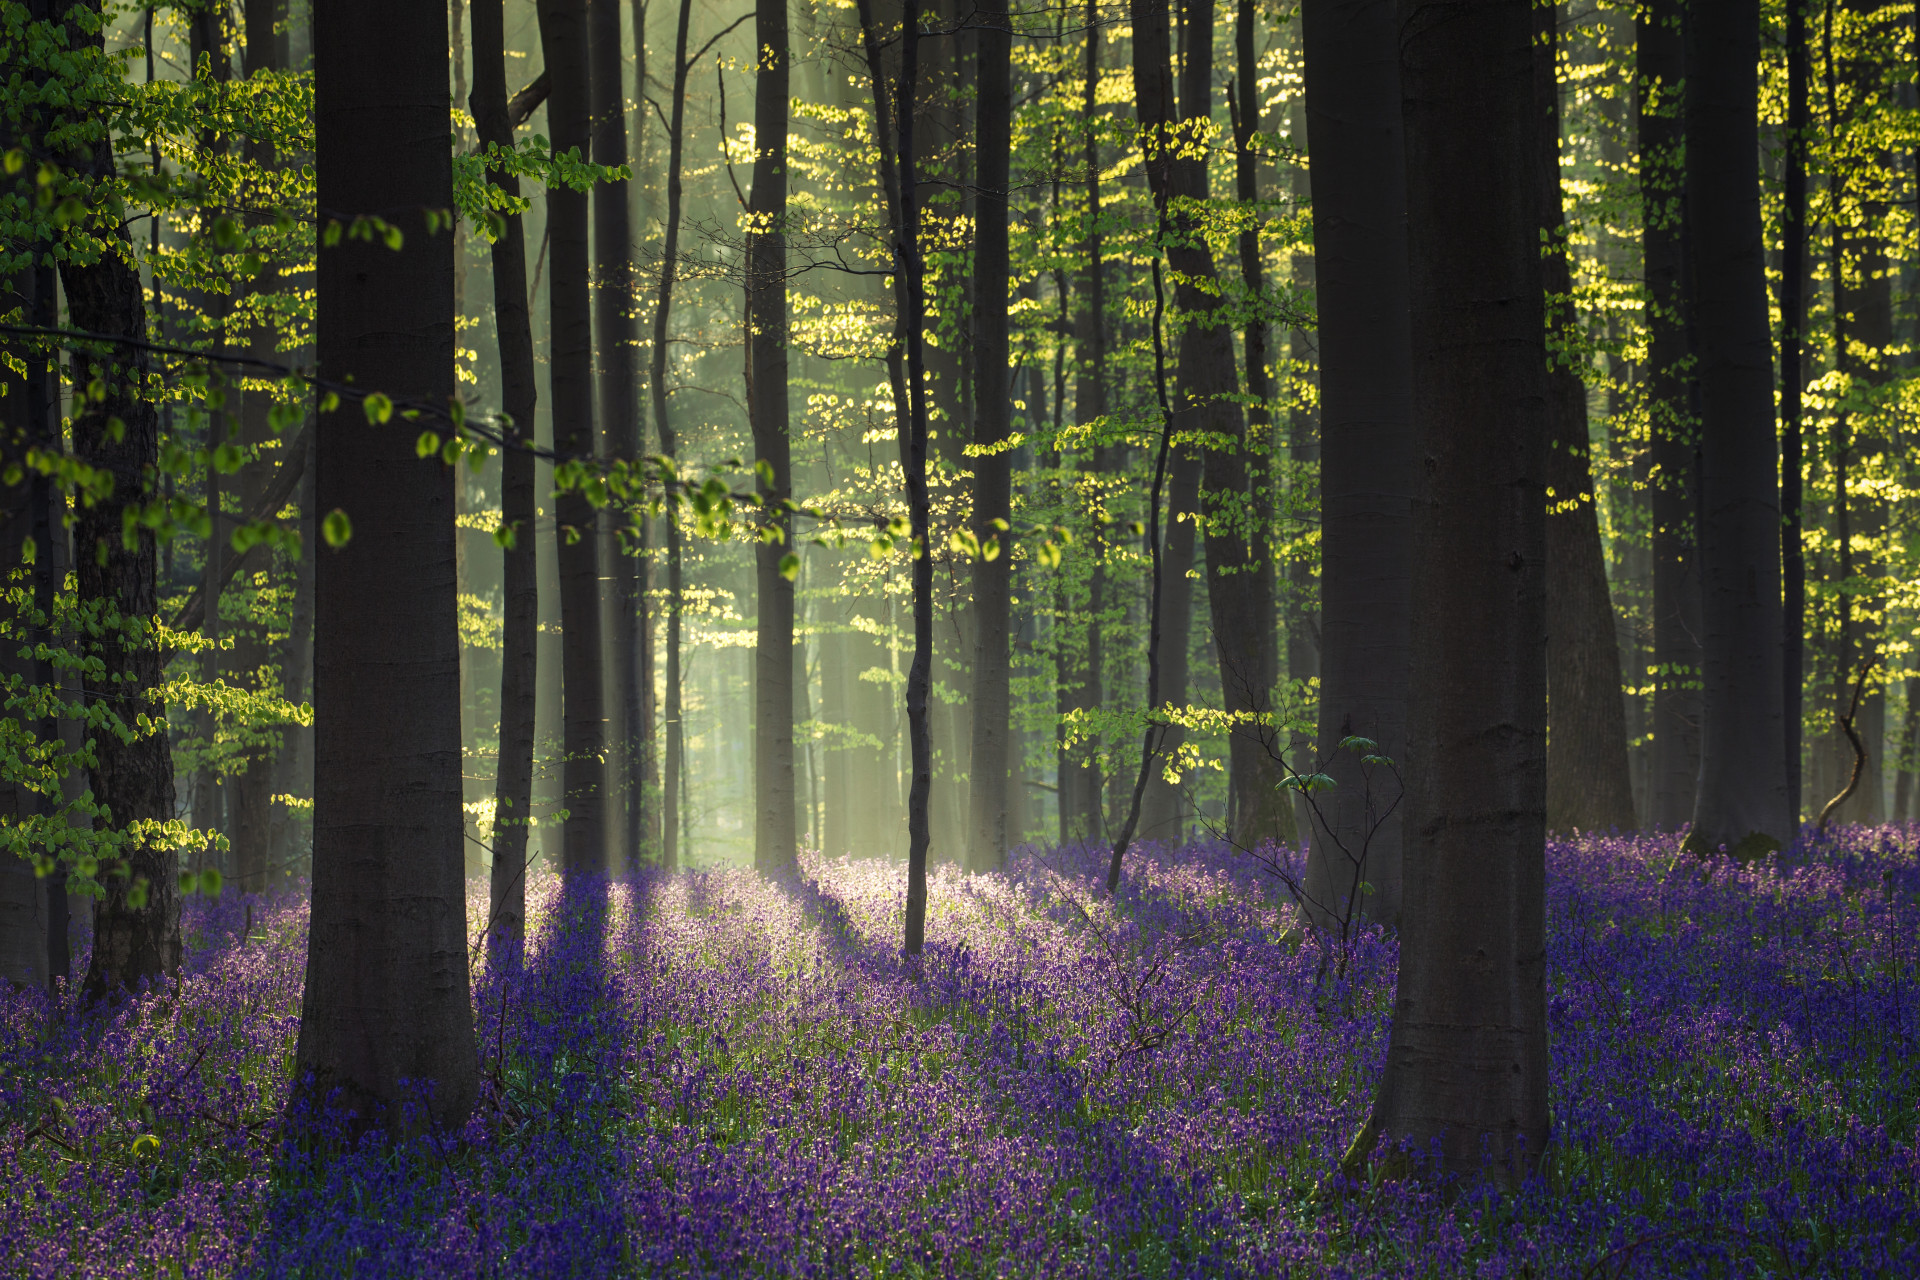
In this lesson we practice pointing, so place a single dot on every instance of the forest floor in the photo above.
(717, 1074)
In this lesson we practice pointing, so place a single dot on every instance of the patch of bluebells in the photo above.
(719, 1074)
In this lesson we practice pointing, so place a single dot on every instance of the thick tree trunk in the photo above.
(619, 409)
(1673, 451)
(663, 423)
(23, 892)
(563, 40)
(137, 924)
(1742, 801)
(1588, 786)
(1354, 134)
(387, 998)
(519, 664)
(987, 768)
(774, 846)
(1466, 1072)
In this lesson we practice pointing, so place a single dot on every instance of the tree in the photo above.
(1588, 787)
(663, 422)
(988, 770)
(1466, 1069)
(1793, 320)
(387, 997)
(1742, 799)
(1673, 455)
(563, 40)
(1354, 136)
(137, 924)
(619, 407)
(519, 670)
(774, 846)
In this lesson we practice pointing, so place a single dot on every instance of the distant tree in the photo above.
(1742, 800)
(583, 773)
(1466, 1070)
(387, 999)
(1588, 787)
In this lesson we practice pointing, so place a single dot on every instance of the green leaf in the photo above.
(378, 407)
(337, 529)
(1357, 743)
(789, 566)
(427, 445)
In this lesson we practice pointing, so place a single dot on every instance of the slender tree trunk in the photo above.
(1081, 790)
(1354, 134)
(564, 40)
(774, 846)
(137, 924)
(619, 409)
(387, 996)
(519, 664)
(1793, 320)
(1588, 786)
(1205, 404)
(988, 769)
(251, 790)
(1673, 450)
(1466, 1073)
(1264, 808)
(663, 423)
(23, 892)
(1742, 801)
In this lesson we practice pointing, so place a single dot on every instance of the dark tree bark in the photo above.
(250, 824)
(1793, 319)
(899, 179)
(1354, 135)
(1673, 453)
(619, 408)
(1588, 786)
(1080, 794)
(519, 664)
(988, 771)
(24, 952)
(774, 846)
(137, 924)
(1466, 1072)
(663, 423)
(1263, 809)
(387, 997)
(563, 40)
(1742, 800)
(1205, 404)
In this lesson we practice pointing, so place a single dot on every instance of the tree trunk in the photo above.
(1793, 320)
(1205, 405)
(519, 664)
(988, 768)
(387, 998)
(1742, 801)
(774, 846)
(1673, 453)
(663, 422)
(1354, 135)
(1264, 808)
(1588, 786)
(1466, 1073)
(619, 407)
(563, 40)
(23, 892)
(137, 924)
